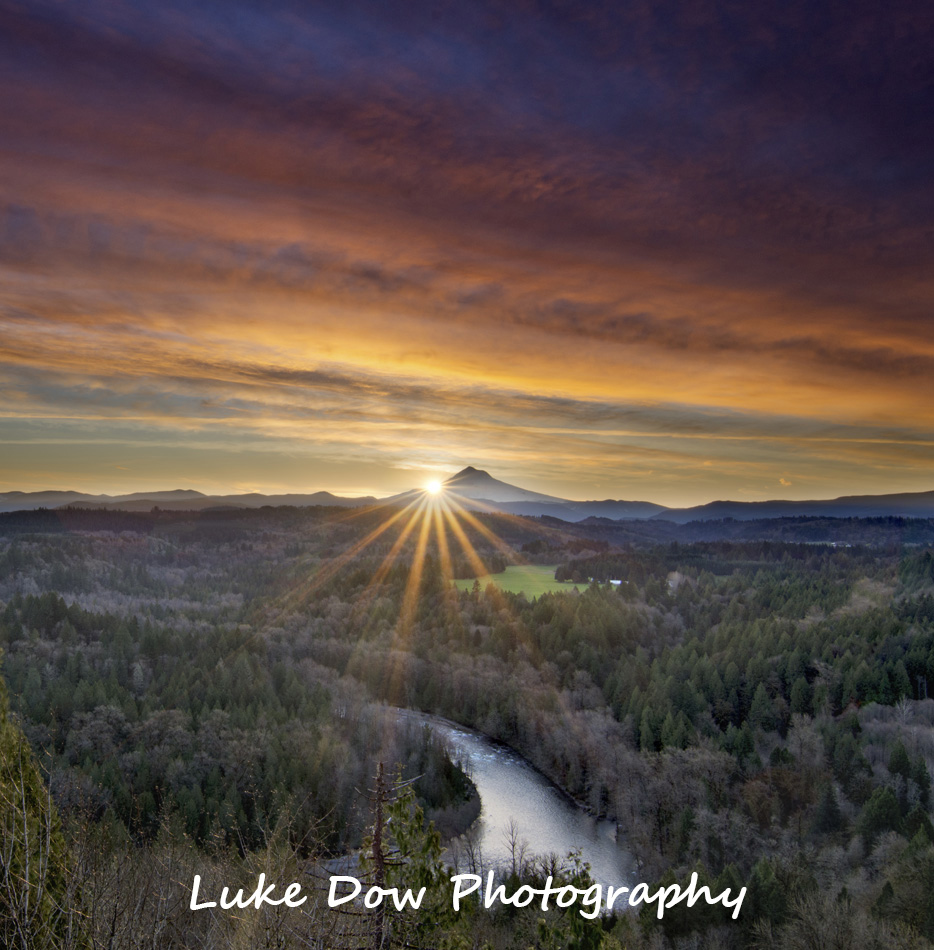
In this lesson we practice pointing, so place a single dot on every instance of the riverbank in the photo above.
(524, 814)
(430, 718)
(456, 820)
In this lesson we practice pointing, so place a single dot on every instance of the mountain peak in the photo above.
(474, 483)
(472, 473)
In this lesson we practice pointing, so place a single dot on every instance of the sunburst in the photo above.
(435, 514)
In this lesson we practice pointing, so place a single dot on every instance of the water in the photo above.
(519, 803)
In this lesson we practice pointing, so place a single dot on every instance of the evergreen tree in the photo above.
(899, 763)
(828, 818)
(879, 814)
(646, 732)
(918, 822)
(766, 898)
(404, 851)
(33, 913)
(922, 778)
(762, 712)
(801, 696)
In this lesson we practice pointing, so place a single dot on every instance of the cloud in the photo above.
(527, 234)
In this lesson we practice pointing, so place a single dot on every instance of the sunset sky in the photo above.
(642, 250)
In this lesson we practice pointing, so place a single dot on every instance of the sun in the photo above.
(433, 487)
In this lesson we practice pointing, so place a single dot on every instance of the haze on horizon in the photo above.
(670, 252)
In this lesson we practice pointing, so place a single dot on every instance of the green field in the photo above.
(532, 580)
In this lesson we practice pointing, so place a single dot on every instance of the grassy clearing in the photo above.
(533, 580)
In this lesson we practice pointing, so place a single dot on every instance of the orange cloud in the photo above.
(346, 256)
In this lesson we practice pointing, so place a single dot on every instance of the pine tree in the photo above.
(646, 733)
(33, 882)
(916, 822)
(404, 851)
(801, 696)
(879, 814)
(922, 778)
(828, 818)
(899, 763)
(762, 712)
(767, 897)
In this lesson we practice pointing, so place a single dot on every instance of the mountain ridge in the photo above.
(180, 499)
(896, 504)
(478, 490)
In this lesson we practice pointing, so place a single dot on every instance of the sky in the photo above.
(644, 250)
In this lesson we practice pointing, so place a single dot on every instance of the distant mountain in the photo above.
(904, 505)
(480, 491)
(579, 510)
(484, 491)
(176, 494)
(180, 499)
(482, 486)
(29, 501)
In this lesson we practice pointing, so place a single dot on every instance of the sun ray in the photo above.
(450, 594)
(453, 508)
(333, 567)
(465, 543)
(403, 628)
(386, 565)
(301, 592)
(444, 551)
(433, 515)
(511, 554)
(410, 595)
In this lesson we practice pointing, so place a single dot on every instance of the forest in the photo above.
(212, 692)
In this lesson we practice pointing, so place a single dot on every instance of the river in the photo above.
(515, 797)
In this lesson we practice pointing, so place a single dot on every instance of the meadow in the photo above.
(533, 580)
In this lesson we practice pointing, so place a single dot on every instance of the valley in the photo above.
(217, 681)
